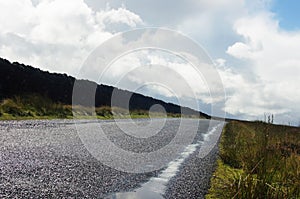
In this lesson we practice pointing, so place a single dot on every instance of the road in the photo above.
(51, 159)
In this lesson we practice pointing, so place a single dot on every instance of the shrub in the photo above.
(12, 108)
(104, 111)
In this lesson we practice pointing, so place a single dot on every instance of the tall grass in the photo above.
(34, 106)
(257, 160)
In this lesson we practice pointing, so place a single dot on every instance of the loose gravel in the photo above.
(193, 179)
(46, 159)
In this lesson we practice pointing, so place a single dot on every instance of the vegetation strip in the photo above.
(257, 160)
(35, 106)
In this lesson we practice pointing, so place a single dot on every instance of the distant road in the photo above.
(48, 159)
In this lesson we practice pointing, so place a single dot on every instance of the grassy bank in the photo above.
(257, 160)
(32, 107)
(38, 107)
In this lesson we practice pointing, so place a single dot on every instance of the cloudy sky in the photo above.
(254, 44)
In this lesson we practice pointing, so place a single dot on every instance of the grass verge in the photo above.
(257, 160)
(39, 107)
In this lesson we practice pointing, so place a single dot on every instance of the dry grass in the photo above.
(39, 107)
(257, 160)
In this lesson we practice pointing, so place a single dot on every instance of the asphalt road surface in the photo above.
(51, 159)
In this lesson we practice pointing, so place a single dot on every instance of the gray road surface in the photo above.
(47, 159)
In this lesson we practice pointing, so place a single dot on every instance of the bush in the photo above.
(12, 108)
(104, 111)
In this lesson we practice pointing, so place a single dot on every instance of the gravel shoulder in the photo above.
(193, 179)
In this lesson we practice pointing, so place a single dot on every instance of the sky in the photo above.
(288, 13)
(254, 45)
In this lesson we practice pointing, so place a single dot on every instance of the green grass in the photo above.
(32, 107)
(39, 107)
(257, 160)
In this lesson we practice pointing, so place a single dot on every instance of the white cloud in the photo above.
(62, 22)
(274, 57)
(257, 60)
(56, 35)
(263, 73)
(156, 73)
(15, 15)
(220, 62)
(120, 15)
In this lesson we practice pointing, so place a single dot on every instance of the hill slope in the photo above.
(19, 79)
